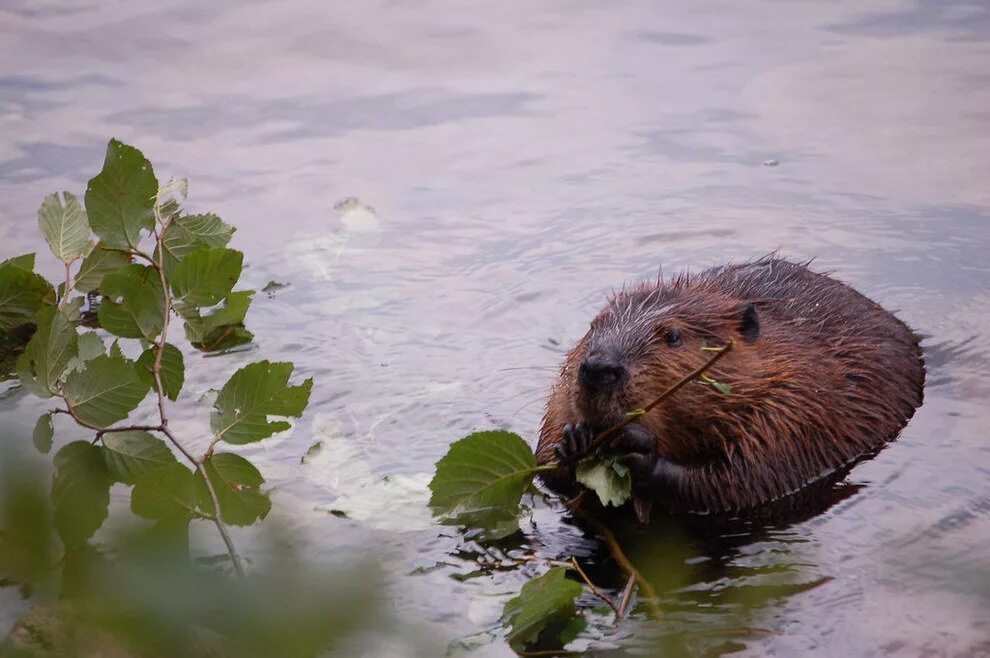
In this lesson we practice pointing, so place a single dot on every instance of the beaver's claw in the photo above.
(576, 442)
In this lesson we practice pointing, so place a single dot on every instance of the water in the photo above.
(519, 164)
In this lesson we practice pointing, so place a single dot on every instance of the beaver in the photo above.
(818, 376)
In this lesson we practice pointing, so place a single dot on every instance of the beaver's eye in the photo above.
(675, 338)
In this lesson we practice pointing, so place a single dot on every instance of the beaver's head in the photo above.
(646, 340)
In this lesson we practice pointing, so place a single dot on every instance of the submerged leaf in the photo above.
(237, 484)
(120, 200)
(48, 353)
(80, 491)
(544, 601)
(253, 393)
(133, 302)
(105, 391)
(221, 329)
(481, 479)
(129, 455)
(64, 226)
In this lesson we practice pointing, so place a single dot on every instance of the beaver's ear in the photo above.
(749, 323)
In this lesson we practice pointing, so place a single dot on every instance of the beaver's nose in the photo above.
(600, 372)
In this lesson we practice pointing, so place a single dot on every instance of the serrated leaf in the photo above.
(120, 200)
(543, 601)
(190, 233)
(172, 373)
(90, 346)
(115, 351)
(96, 265)
(48, 352)
(166, 493)
(64, 225)
(481, 479)
(253, 393)
(129, 455)
(24, 262)
(80, 491)
(170, 197)
(607, 478)
(221, 329)
(236, 482)
(22, 294)
(43, 433)
(206, 276)
(105, 391)
(133, 303)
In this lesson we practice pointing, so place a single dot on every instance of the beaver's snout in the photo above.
(601, 371)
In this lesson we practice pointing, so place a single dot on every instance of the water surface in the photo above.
(520, 163)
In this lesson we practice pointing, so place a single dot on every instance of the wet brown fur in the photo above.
(831, 377)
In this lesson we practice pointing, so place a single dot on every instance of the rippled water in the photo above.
(520, 162)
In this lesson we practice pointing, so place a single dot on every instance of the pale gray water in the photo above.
(522, 160)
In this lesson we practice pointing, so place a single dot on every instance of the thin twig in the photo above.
(626, 597)
(594, 590)
(68, 284)
(235, 559)
(156, 372)
(620, 556)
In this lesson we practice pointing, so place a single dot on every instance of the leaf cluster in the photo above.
(136, 262)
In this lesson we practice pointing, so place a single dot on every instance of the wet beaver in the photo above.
(819, 376)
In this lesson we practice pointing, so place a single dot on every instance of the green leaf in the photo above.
(544, 601)
(22, 293)
(253, 393)
(90, 347)
(120, 200)
(63, 223)
(133, 302)
(481, 479)
(43, 433)
(236, 482)
(24, 262)
(129, 455)
(190, 233)
(206, 276)
(80, 491)
(105, 391)
(172, 372)
(166, 493)
(221, 329)
(96, 265)
(607, 478)
(48, 353)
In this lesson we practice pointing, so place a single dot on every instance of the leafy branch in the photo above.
(188, 271)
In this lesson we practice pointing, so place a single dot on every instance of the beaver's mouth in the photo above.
(602, 411)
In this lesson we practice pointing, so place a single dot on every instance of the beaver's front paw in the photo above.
(647, 465)
(576, 442)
